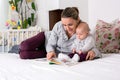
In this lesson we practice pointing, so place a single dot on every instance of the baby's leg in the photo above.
(64, 57)
(76, 58)
(71, 55)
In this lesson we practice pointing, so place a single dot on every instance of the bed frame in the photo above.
(9, 38)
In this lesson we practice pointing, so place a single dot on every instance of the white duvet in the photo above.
(14, 68)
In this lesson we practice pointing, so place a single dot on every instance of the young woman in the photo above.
(63, 35)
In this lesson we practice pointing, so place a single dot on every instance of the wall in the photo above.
(107, 10)
(90, 10)
(45, 5)
(3, 13)
(81, 4)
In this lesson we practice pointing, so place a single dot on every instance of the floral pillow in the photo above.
(108, 36)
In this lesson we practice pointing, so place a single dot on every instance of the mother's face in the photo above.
(69, 25)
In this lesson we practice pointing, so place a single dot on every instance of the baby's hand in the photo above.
(80, 52)
(73, 50)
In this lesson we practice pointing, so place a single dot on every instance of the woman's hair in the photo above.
(72, 12)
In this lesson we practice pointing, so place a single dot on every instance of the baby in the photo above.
(81, 45)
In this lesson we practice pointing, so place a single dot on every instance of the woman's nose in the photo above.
(68, 28)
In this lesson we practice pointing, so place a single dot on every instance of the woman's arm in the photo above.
(94, 53)
(52, 42)
(50, 55)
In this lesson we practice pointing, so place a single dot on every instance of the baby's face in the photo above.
(81, 33)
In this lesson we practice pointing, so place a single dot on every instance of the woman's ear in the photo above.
(79, 20)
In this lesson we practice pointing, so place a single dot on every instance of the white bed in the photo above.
(14, 68)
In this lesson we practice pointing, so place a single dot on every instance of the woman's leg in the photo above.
(33, 47)
(32, 54)
(82, 57)
(33, 43)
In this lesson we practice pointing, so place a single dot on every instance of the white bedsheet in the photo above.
(14, 68)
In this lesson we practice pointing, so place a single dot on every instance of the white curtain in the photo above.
(4, 6)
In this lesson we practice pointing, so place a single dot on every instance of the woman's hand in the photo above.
(90, 55)
(50, 55)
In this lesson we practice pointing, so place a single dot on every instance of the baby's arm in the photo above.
(74, 46)
(73, 50)
(89, 44)
(80, 52)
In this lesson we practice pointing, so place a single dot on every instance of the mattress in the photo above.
(14, 68)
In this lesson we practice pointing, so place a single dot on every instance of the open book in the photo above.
(56, 61)
(62, 62)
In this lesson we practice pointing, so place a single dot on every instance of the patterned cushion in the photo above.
(108, 36)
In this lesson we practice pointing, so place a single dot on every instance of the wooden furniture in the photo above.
(54, 16)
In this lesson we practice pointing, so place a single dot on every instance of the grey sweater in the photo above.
(84, 45)
(59, 41)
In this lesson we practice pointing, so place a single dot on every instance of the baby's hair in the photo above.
(86, 26)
